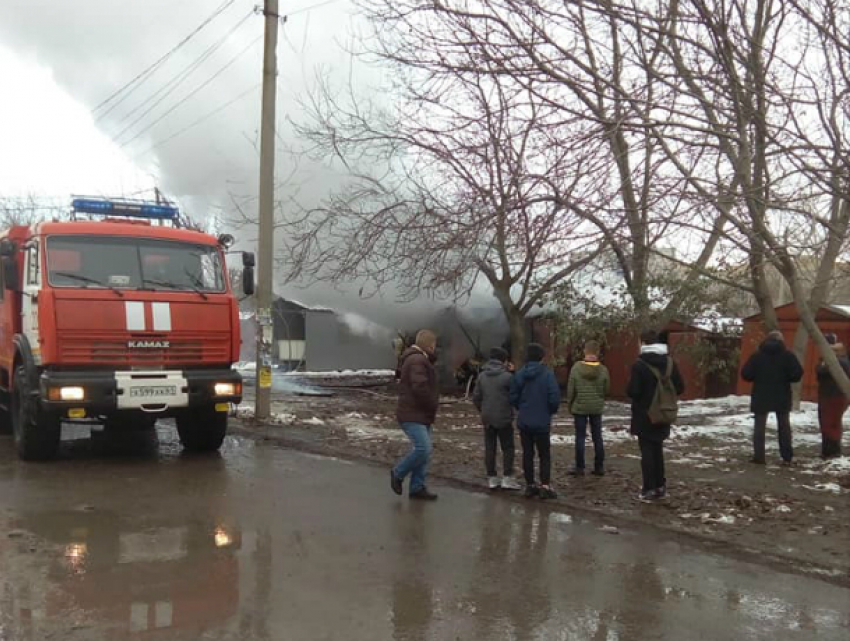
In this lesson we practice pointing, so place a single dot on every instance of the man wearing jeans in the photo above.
(418, 398)
(772, 370)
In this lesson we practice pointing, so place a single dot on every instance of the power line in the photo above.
(193, 92)
(140, 78)
(203, 118)
(177, 80)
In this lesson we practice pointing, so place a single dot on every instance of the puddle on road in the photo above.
(265, 544)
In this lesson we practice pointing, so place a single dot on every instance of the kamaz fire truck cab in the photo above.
(120, 318)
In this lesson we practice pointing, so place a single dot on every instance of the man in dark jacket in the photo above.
(832, 403)
(418, 398)
(535, 393)
(650, 366)
(492, 398)
(772, 370)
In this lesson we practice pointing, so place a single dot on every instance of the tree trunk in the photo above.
(823, 281)
(518, 335)
(764, 298)
(516, 322)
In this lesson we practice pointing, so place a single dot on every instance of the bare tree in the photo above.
(24, 210)
(764, 87)
(468, 176)
(583, 61)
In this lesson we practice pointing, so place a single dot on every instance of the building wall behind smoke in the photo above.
(332, 345)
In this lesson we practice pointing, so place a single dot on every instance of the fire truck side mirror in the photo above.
(248, 263)
(248, 281)
(11, 277)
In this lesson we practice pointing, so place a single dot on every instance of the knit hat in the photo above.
(498, 354)
(535, 353)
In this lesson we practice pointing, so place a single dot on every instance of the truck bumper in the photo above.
(164, 392)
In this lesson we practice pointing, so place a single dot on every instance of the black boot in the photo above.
(423, 494)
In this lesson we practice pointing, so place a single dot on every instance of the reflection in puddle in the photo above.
(130, 581)
(75, 554)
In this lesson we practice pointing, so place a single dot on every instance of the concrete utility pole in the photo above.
(265, 255)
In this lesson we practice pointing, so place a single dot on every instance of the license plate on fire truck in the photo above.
(153, 391)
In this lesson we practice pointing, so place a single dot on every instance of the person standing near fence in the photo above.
(586, 392)
(832, 403)
(654, 384)
(772, 370)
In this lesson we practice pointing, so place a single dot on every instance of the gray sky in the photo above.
(94, 47)
(62, 59)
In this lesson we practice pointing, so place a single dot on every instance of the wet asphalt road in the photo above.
(268, 544)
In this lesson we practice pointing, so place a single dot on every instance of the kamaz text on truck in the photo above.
(118, 319)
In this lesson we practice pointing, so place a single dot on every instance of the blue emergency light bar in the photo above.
(132, 209)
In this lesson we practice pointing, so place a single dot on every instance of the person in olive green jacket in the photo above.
(586, 392)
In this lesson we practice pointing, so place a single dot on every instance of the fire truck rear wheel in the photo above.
(202, 430)
(37, 433)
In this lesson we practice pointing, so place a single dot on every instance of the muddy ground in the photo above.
(794, 517)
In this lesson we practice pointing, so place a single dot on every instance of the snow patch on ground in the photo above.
(283, 418)
(362, 427)
(347, 373)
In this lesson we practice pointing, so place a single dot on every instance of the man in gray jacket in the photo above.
(492, 398)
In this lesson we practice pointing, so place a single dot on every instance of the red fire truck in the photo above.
(118, 316)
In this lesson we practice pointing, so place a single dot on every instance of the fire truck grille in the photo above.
(119, 352)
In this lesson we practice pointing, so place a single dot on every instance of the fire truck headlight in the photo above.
(222, 538)
(67, 394)
(228, 389)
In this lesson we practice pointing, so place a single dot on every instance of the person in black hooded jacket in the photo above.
(641, 389)
(772, 370)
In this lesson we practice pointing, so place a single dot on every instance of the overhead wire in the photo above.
(161, 94)
(130, 86)
(203, 118)
(222, 107)
(191, 93)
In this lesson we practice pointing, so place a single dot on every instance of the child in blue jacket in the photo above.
(536, 396)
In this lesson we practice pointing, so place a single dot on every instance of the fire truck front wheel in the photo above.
(202, 429)
(37, 432)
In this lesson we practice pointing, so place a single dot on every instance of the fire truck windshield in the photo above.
(133, 263)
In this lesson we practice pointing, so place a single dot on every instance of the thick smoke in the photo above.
(95, 47)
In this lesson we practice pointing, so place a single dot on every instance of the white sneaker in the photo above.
(495, 483)
(510, 483)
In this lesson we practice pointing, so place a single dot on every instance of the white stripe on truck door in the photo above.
(161, 317)
(135, 316)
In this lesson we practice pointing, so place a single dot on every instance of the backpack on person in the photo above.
(664, 409)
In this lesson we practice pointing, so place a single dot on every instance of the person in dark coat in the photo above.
(832, 403)
(772, 370)
(643, 380)
(492, 398)
(536, 396)
(418, 398)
